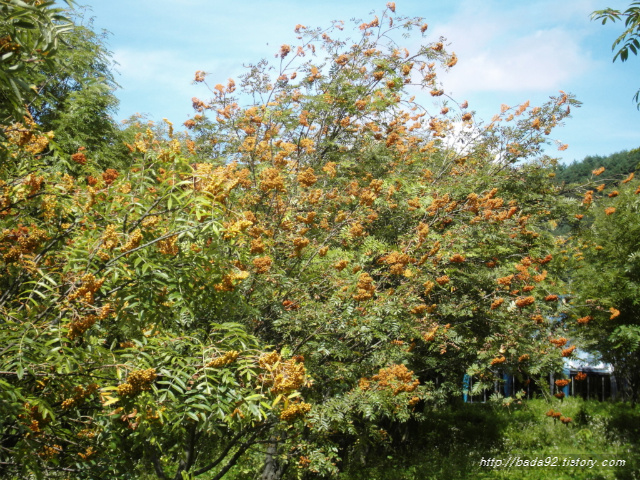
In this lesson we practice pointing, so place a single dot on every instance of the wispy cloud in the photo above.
(149, 68)
(542, 61)
(161, 80)
(512, 51)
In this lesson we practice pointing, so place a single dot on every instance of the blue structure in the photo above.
(466, 387)
(599, 384)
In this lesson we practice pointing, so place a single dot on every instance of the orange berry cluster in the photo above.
(79, 158)
(558, 416)
(23, 240)
(134, 240)
(524, 301)
(559, 342)
(430, 335)
(584, 320)
(282, 376)
(35, 418)
(299, 243)
(270, 179)
(80, 393)
(496, 303)
(262, 264)
(365, 288)
(168, 246)
(110, 175)
(423, 308)
(396, 377)
(226, 359)
(457, 258)
(498, 360)
(307, 177)
(50, 451)
(78, 326)
(294, 411)
(230, 280)
(397, 262)
(87, 290)
(505, 280)
(88, 453)
(137, 381)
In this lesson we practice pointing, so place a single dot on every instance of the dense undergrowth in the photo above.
(452, 443)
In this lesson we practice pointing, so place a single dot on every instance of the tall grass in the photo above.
(451, 443)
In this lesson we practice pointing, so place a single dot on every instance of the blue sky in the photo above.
(509, 51)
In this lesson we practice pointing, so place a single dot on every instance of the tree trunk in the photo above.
(272, 468)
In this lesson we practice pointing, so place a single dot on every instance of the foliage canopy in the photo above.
(617, 165)
(30, 34)
(314, 265)
(629, 40)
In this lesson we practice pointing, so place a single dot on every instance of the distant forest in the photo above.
(616, 165)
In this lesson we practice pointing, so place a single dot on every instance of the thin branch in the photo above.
(232, 461)
(222, 456)
(186, 464)
(156, 463)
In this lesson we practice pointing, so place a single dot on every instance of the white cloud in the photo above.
(146, 69)
(542, 61)
(513, 51)
(159, 82)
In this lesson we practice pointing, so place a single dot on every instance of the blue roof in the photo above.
(586, 362)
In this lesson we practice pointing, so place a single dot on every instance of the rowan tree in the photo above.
(605, 269)
(397, 245)
(316, 263)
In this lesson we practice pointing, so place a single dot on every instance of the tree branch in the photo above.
(156, 463)
(226, 451)
(232, 461)
(186, 464)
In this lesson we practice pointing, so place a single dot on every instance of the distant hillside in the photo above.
(616, 165)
